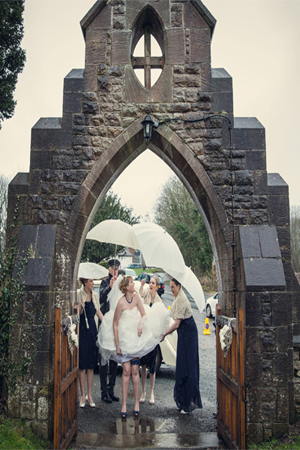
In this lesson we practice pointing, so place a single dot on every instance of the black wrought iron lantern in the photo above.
(148, 125)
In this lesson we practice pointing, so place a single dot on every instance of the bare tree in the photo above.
(176, 212)
(3, 212)
(295, 237)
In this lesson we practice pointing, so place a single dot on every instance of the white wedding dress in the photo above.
(131, 345)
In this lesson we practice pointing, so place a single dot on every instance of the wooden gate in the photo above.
(65, 387)
(231, 383)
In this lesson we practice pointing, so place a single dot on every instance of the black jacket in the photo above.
(104, 291)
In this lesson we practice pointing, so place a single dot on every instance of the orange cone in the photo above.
(206, 326)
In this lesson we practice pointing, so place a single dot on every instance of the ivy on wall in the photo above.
(18, 344)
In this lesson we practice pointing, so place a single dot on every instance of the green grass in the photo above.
(14, 434)
(287, 443)
(153, 270)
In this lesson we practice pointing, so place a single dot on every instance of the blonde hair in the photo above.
(124, 283)
(156, 279)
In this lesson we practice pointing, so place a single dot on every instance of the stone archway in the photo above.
(76, 158)
(120, 154)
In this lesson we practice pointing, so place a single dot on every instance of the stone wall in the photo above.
(76, 158)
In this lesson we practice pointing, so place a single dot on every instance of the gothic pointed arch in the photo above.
(170, 148)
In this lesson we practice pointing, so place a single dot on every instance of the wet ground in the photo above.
(159, 425)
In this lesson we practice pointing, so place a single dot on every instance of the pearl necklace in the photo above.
(129, 301)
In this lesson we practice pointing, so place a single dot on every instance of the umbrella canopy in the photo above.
(91, 270)
(114, 232)
(158, 247)
(191, 283)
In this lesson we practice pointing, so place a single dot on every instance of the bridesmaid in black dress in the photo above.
(89, 308)
(186, 389)
(149, 361)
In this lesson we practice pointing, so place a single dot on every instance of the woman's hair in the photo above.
(83, 281)
(124, 283)
(176, 282)
(156, 279)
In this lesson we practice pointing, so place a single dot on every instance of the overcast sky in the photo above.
(256, 41)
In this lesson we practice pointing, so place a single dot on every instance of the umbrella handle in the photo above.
(86, 320)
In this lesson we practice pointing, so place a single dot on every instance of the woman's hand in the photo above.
(100, 315)
(118, 351)
(143, 282)
(140, 330)
(162, 338)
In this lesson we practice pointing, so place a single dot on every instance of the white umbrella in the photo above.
(158, 248)
(191, 283)
(91, 270)
(114, 232)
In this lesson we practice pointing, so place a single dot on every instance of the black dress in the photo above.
(186, 389)
(149, 360)
(88, 352)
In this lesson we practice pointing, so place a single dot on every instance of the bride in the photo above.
(129, 331)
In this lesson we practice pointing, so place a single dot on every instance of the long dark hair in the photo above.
(176, 282)
(83, 280)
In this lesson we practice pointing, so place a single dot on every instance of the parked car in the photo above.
(129, 272)
(133, 266)
(211, 305)
(161, 289)
(96, 287)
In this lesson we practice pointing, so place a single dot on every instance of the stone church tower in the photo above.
(222, 161)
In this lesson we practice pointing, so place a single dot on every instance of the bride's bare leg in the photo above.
(125, 384)
(143, 377)
(136, 385)
(152, 382)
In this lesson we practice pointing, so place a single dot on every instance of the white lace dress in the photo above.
(131, 345)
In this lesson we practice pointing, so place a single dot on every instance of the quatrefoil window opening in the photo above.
(147, 67)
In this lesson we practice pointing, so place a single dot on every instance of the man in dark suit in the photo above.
(110, 369)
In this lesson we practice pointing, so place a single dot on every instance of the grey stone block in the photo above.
(222, 101)
(40, 240)
(269, 242)
(221, 81)
(277, 185)
(45, 242)
(72, 102)
(19, 184)
(249, 238)
(278, 207)
(259, 241)
(281, 309)
(256, 160)
(74, 81)
(40, 159)
(264, 273)
(253, 313)
(50, 133)
(248, 134)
